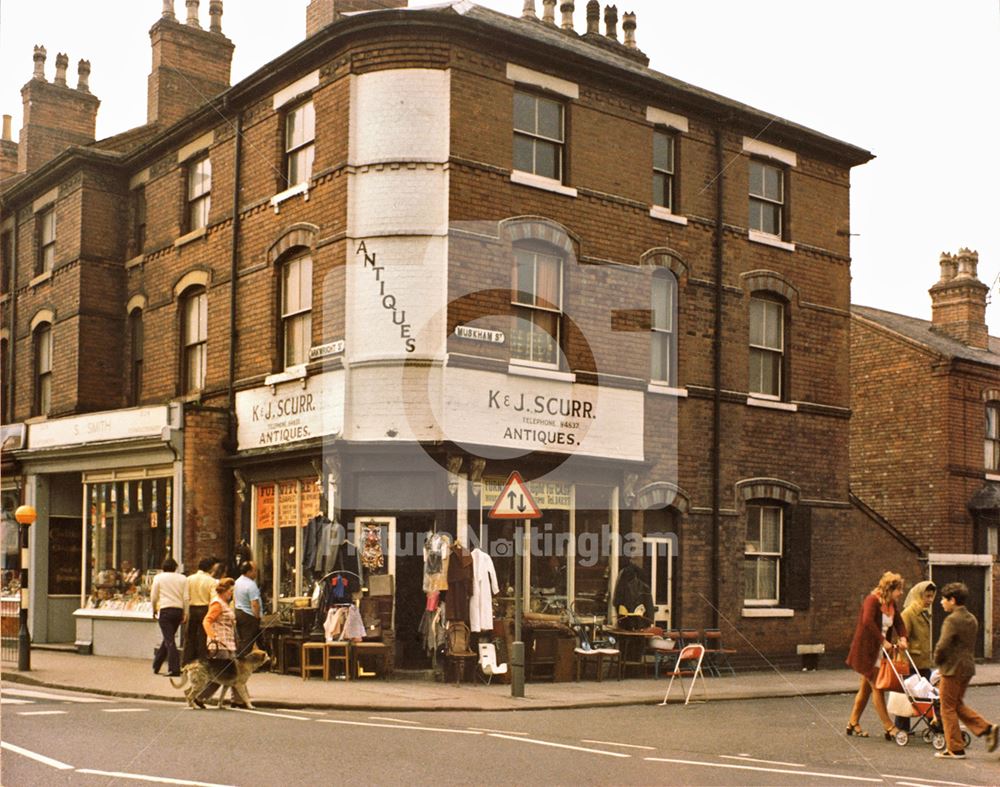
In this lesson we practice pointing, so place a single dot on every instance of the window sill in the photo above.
(992, 477)
(301, 188)
(539, 182)
(201, 232)
(666, 390)
(542, 372)
(767, 612)
(41, 278)
(665, 214)
(135, 262)
(772, 404)
(291, 373)
(756, 236)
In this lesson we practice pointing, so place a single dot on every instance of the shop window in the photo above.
(300, 147)
(762, 555)
(537, 302)
(991, 444)
(130, 527)
(296, 310)
(195, 339)
(663, 169)
(592, 542)
(539, 135)
(663, 361)
(767, 198)
(45, 227)
(282, 510)
(199, 193)
(767, 348)
(10, 566)
(136, 342)
(43, 368)
(137, 242)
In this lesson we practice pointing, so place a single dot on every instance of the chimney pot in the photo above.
(594, 17)
(549, 12)
(83, 76)
(567, 8)
(949, 267)
(39, 58)
(6, 128)
(628, 28)
(62, 63)
(611, 22)
(968, 264)
(192, 12)
(528, 12)
(168, 10)
(215, 15)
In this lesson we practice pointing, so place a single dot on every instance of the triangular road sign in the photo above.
(515, 501)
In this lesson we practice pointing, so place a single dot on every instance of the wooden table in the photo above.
(632, 645)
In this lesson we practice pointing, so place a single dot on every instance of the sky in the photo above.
(917, 82)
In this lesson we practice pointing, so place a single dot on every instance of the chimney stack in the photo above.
(83, 76)
(549, 12)
(594, 17)
(628, 28)
(528, 12)
(320, 13)
(958, 300)
(8, 151)
(567, 8)
(611, 22)
(190, 65)
(55, 115)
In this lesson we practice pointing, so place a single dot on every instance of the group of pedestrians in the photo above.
(883, 624)
(203, 603)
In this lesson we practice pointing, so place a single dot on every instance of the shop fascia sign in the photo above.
(100, 427)
(274, 415)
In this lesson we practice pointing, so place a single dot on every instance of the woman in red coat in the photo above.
(880, 613)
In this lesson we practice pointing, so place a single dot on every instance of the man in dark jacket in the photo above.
(954, 657)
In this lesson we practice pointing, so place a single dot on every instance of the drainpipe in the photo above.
(717, 371)
(12, 343)
(233, 271)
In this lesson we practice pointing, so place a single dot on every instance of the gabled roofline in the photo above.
(884, 523)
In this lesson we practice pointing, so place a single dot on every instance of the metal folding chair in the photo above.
(695, 653)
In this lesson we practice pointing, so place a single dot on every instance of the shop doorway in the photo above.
(410, 598)
(656, 564)
(976, 579)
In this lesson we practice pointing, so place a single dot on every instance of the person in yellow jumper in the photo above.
(917, 619)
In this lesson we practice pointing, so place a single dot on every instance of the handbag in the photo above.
(891, 669)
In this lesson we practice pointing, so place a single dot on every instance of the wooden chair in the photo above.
(337, 653)
(458, 653)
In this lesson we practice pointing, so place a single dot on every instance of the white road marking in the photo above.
(502, 732)
(42, 695)
(559, 745)
(613, 743)
(139, 777)
(913, 784)
(42, 712)
(275, 715)
(748, 758)
(36, 757)
(389, 718)
(10, 701)
(397, 727)
(764, 770)
(932, 781)
(124, 710)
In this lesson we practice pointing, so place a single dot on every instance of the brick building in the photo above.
(925, 434)
(406, 258)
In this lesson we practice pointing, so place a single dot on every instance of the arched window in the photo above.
(296, 310)
(194, 338)
(42, 341)
(537, 305)
(767, 347)
(663, 352)
(136, 342)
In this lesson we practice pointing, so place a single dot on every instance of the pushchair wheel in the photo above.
(902, 737)
(966, 739)
(928, 736)
(937, 741)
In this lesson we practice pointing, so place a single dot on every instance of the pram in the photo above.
(918, 700)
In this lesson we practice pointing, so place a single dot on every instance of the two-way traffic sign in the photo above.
(515, 501)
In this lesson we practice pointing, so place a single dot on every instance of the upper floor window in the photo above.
(43, 368)
(199, 193)
(46, 228)
(539, 135)
(767, 347)
(194, 337)
(992, 442)
(138, 214)
(762, 554)
(5, 387)
(663, 169)
(767, 197)
(296, 310)
(537, 300)
(136, 340)
(663, 360)
(300, 148)
(6, 260)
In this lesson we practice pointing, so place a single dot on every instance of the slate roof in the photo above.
(919, 331)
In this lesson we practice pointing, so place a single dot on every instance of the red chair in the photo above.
(689, 653)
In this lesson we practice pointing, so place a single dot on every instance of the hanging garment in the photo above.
(437, 548)
(354, 625)
(460, 578)
(327, 539)
(333, 626)
(372, 556)
(432, 631)
(484, 586)
(631, 592)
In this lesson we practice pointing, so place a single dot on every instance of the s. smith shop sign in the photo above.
(292, 411)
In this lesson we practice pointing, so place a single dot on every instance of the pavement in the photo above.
(134, 678)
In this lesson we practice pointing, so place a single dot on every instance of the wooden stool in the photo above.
(309, 666)
(337, 652)
(290, 654)
(377, 650)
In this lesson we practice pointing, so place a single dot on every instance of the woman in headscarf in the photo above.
(880, 615)
(917, 619)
